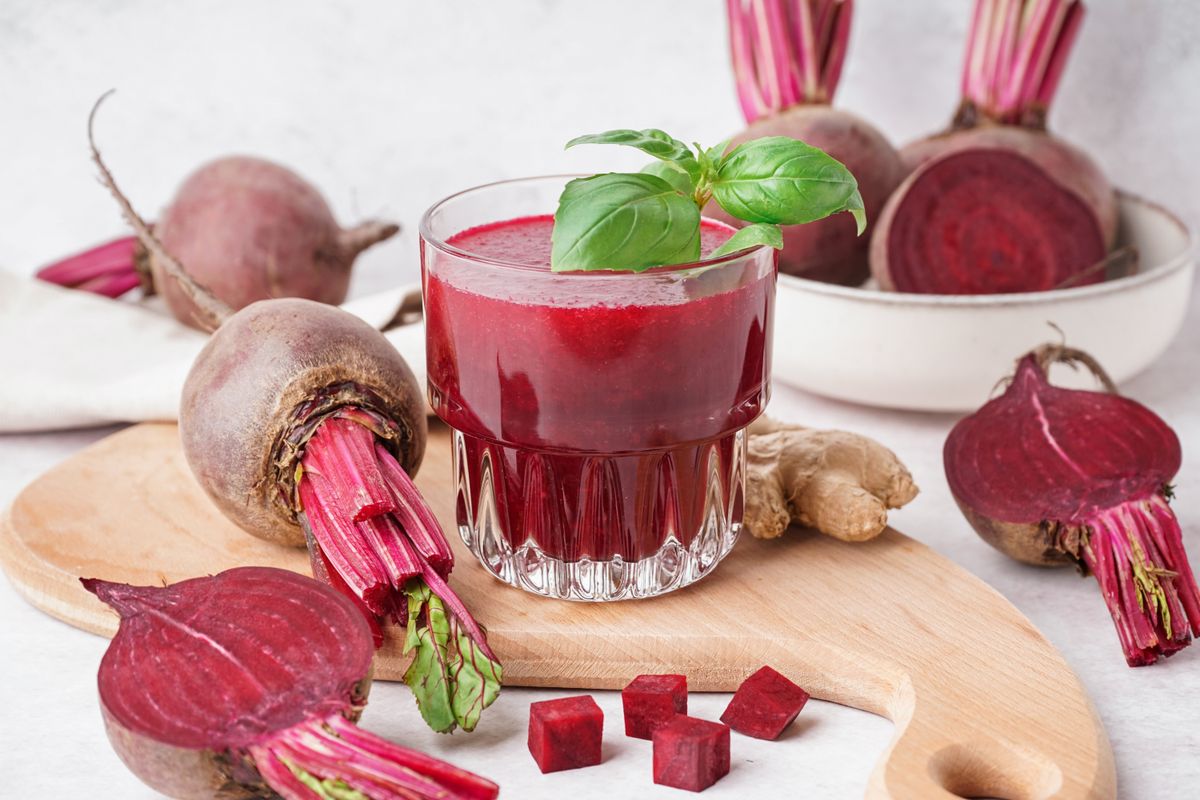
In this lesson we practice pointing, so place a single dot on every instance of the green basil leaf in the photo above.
(673, 174)
(784, 181)
(652, 141)
(623, 221)
(755, 235)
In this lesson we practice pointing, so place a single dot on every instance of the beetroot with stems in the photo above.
(1016, 53)
(691, 753)
(247, 228)
(787, 59)
(1055, 476)
(246, 684)
(650, 701)
(764, 705)
(302, 423)
(566, 733)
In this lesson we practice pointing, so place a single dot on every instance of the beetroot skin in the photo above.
(691, 753)
(227, 685)
(787, 60)
(566, 733)
(984, 221)
(248, 230)
(650, 701)
(1056, 476)
(764, 705)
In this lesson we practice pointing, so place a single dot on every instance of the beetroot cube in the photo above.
(764, 705)
(652, 700)
(691, 753)
(566, 733)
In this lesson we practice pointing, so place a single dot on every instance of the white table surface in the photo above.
(389, 106)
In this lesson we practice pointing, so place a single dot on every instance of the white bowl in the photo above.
(947, 352)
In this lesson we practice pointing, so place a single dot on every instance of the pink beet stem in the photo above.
(113, 285)
(1058, 59)
(394, 548)
(354, 560)
(343, 452)
(337, 749)
(786, 52)
(1016, 53)
(113, 259)
(456, 607)
(414, 514)
(1136, 553)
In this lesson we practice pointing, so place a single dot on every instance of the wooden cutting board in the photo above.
(983, 704)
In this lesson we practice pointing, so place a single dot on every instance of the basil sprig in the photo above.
(635, 221)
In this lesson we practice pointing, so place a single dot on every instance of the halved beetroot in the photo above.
(565, 733)
(691, 753)
(764, 705)
(984, 221)
(650, 701)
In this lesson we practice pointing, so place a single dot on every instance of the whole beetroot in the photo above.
(299, 420)
(787, 59)
(247, 228)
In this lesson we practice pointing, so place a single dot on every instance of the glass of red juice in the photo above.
(598, 417)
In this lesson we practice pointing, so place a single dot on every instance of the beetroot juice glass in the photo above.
(598, 417)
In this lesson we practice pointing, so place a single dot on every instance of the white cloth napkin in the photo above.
(70, 359)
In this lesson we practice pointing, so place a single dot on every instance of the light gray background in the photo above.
(390, 105)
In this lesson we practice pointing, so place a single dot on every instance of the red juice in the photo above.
(598, 414)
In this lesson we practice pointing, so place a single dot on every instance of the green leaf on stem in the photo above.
(672, 174)
(652, 141)
(756, 235)
(451, 677)
(623, 221)
(783, 181)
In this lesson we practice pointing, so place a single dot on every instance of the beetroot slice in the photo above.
(691, 753)
(1047, 474)
(984, 221)
(253, 671)
(565, 733)
(650, 701)
(764, 705)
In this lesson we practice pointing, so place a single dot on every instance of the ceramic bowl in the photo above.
(947, 352)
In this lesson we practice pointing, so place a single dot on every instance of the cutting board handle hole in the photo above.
(982, 770)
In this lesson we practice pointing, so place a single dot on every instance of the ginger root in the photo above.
(839, 483)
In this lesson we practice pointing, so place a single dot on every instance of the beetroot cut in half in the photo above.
(787, 58)
(247, 684)
(1055, 476)
(984, 221)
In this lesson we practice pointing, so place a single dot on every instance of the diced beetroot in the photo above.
(650, 701)
(566, 733)
(691, 753)
(764, 705)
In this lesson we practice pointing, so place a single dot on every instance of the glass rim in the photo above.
(424, 231)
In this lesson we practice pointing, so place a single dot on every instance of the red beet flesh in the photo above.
(212, 684)
(983, 221)
(764, 705)
(565, 733)
(1051, 475)
(650, 701)
(691, 753)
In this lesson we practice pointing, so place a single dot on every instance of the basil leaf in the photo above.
(623, 221)
(784, 181)
(671, 173)
(651, 140)
(754, 235)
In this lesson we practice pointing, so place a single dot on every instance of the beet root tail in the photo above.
(1135, 551)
